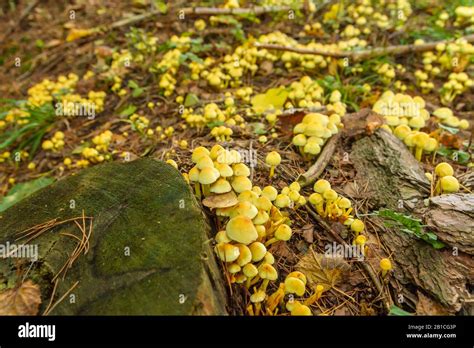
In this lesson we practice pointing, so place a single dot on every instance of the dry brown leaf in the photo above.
(21, 300)
(428, 306)
(322, 269)
(224, 200)
(307, 233)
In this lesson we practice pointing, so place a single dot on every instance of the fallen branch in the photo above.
(203, 11)
(358, 55)
(321, 163)
(366, 267)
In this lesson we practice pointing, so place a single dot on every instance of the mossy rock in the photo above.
(149, 250)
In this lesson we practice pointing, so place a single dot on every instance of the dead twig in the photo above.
(395, 50)
(204, 11)
(321, 163)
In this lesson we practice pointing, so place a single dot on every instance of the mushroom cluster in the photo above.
(464, 16)
(404, 117)
(304, 93)
(56, 143)
(443, 179)
(252, 224)
(212, 113)
(445, 57)
(445, 116)
(313, 132)
(329, 204)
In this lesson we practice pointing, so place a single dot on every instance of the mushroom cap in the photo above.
(259, 296)
(193, 174)
(444, 169)
(299, 128)
(250, 270)
(204, 162)
(221, 237)
(449, 184)
(300, 309)
(225, 157)
(267, 271)
(241, 184)
(385, 264)
(283, 232)
(221, 186)
(299, 275)
(344, 203)
(214, 153)
(261, 218)
(408, 140)
(270, 192)
(235, 156)
(443, 113)
(330, 195)
(294, 286)
(257, 190)
(248, 196)
(464, 124)
(452, 121)
(273, 158)
(314, 130)
(360, 240)
(294, 195)
(241, 169)
(431, 145)
(421, 139)
(258, 251)
(233, 268)
(357, 226)
(261, 231)
(242, 230)
(227, 252)
(321, 186)
(295, 186)
(244, 209)
(199, 152)
(282, 201)
(245, 255)
(268, 258)
(316, 140)
(316, 198)
(263, 203)
(208, 175)
(312, 148)
(314, 117)
(417, 122)
(299, 140)
(224, 169)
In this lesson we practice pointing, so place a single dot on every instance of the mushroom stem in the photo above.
(384, 273)
(206, 190)
(272, 171)
(198, 190)
(264, 285)
(252, 281)
(271, 241)
(314, 297)
(418, 153)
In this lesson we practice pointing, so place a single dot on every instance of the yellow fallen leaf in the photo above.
(21, 300)
(322, 269)
(274, 98)
(75, 34)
